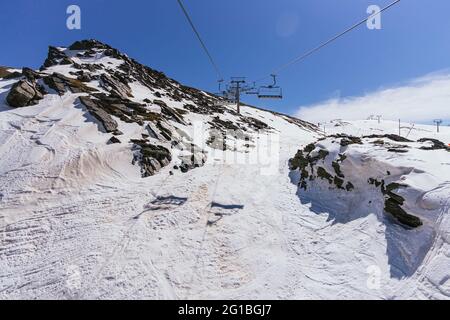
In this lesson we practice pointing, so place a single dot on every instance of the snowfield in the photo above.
(78, 221)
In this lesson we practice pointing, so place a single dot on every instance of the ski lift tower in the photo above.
(379, 116)
(438, 123)
(235, 87)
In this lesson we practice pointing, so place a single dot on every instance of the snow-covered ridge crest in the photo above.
(120, 92)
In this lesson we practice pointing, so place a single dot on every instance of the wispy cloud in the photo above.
(420, 100)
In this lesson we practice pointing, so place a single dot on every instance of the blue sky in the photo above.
(247, 38)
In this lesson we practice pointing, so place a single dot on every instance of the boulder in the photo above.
(151, 158)
(23, 93)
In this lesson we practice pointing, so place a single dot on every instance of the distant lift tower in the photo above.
(379, 118)
(438, 123)
(236, 86)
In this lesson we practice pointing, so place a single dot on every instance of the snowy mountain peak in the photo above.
(118, 90)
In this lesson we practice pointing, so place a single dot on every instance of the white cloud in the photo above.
(420, 100)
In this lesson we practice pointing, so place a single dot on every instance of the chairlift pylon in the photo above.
(271, 91)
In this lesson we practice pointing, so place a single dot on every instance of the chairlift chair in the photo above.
(271, 91)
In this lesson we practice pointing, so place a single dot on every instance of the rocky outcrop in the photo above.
(117, 86)
(24, 93)
(169, 112)
(435, 144)
(393, 137)
(100, 114)
(55, 57)
(151, 158)
(393, 205)
(88, 45)
(59, 83)
(113, 99)
(327, 161)
(113, 140)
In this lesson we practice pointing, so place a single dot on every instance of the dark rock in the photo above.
(255, 123)
(323, 174)
(393, 137)
(88, 45)
(349, 186)
(337, 169)
(169, 112)
(309, 148)
(117, 132)
(394, 208)
(338, 182)
(23, 93)
(195, 160)
(84, 77)
(30, 74)
(151, 158)
(436, 144)
(54, 57)
(398, 149)
(113, 140)
(66, 61)
(101, 115)
(116, 86)
(56, 84)
(59, 82)
(298, 162)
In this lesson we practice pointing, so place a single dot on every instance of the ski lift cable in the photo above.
(314, 50)
(216, 68)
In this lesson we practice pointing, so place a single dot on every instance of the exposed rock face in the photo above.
(316, 163)
(392, 137)
(91, 66)
(55, 57)
(393, 205)
(346, 140)
(96, 110)
(116, 86)
(150, 157)
(60, 82)
(436, 144)
(24, 93)
(87, 45)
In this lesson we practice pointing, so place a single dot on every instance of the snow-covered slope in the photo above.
(118, 182)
